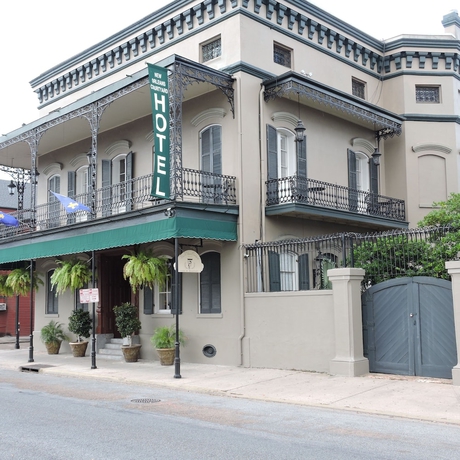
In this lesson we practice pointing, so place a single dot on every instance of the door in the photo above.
(408, 327)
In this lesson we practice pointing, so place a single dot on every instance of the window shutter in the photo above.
(210, 287)
(206, 150)
(272, 165)
(304, 273)
(302, 159)
(352, 182)
(129, 183)
(374, 187)
(71, 192)
(217, 149)
(173, 293)
(148, 300)
(107, 192)
(274, 271)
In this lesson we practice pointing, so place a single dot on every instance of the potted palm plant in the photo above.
(164, 341)
(80, 323)
(52, 334)
(127, 323)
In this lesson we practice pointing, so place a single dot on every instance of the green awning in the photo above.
(175, 227)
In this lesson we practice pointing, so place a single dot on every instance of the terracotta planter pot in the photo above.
(131, 352)
(78, 348)
(166, 355)
(53, 347)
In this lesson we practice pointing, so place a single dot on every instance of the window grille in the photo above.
(281, 55)
(427, 94)
(358, 88)
(211, 50)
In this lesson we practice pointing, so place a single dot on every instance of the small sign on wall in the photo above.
(2, 306)
(190, 262)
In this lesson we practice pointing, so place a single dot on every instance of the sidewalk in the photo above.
(410, 397)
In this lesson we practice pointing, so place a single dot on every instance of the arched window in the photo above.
(210, 288)
(52, 305)
(362, 181)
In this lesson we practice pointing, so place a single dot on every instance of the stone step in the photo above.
(116, 341)
(109, 357)
(108, 351)
(113, 346)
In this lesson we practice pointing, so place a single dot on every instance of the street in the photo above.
(49, 417)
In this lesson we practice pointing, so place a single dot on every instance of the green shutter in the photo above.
(106, 193)
(374, 187)
(210, 284)
(173, 293)
(148, 301)
(302, 184)
(274, 271)
(304, 273)
(272, 165)
(352, 182)
(216, 149)
(129, 183)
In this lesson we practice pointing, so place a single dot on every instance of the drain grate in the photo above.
(145, 401)
(34, 368)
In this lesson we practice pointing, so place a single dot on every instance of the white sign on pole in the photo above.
(89, 295)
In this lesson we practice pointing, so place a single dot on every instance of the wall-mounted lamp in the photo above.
(170, 212)
(11, 187)
(376, 156)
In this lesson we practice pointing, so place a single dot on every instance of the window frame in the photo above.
(215, 305)
(419, 88)
(355, 83)
(213, 53)
(285, 51)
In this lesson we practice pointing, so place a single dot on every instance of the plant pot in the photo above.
(131, 353)
(78, 348)
(53, 347)
(166, 355)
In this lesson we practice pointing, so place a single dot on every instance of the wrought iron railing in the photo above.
(135, 194)
(312, 192)
(302, 264)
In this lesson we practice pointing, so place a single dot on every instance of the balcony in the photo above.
(294, 195)
(198, 187)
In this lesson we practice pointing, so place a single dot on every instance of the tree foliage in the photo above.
(126, 319)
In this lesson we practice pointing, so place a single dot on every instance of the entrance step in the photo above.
(112, 350)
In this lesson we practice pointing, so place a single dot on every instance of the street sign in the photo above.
(89, 295)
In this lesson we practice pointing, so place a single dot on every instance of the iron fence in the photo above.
(295, 189)
(293, 265)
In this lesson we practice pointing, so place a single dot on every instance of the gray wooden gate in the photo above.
(408, 327)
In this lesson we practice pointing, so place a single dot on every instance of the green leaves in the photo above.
(5, 290)
(165, 337)
(143, 269)
(53, 332)
(80, 323)
(70, 274)
(126, 319)
(19, 281)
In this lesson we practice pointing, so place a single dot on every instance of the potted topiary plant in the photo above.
(80, 323)
(164, 341)
(52, 334)
(127, 322)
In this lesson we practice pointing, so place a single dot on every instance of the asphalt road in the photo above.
(47, 417)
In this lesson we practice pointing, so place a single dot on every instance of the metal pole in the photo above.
(17, 323)
(93, 339)
(176, 306)
(31, 337)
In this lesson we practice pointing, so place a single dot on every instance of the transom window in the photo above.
(427, 94)
(282, 55)
(211, 50)
(358, 88)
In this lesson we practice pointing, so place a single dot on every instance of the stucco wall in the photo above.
(289, 330)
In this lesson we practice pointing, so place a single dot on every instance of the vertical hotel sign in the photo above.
(159, 92)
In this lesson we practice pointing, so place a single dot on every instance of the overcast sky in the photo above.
(39, 34)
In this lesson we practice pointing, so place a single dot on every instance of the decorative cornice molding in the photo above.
(77, 160)
(118, 147)
(431, 148)
(285, 117)
(216, 112)
(429, 118)
(363, 144)
(52, 168)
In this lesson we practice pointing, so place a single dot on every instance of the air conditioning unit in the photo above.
(2, 306)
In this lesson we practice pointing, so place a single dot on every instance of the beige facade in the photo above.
(242, 74)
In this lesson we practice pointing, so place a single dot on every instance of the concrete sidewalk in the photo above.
(410, 397)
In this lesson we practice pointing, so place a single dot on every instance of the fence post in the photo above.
(348, 324)
(453, 267)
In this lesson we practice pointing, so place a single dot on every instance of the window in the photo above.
(211, 50)
(362, 182)
(288, 271)
(287, 166)
(54, 209)
(210, 292)
(282, 55)
(358, 88)
(211, 162)
(52, 307)
(427, 94)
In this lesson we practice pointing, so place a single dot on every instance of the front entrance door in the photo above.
(114, 290)
(408, 327)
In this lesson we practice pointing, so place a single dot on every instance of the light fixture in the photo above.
(376, 156)
(11, 187)
(300, 128)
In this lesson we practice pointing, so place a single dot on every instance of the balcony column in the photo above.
(175, 129)
(348, 324)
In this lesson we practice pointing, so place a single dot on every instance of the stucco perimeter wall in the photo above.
(289, 330)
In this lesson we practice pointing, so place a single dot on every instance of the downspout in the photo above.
(261, 163)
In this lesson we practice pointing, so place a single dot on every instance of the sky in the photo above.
(36, 35)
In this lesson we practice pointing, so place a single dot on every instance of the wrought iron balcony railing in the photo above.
(198, 187)
(296, 189)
